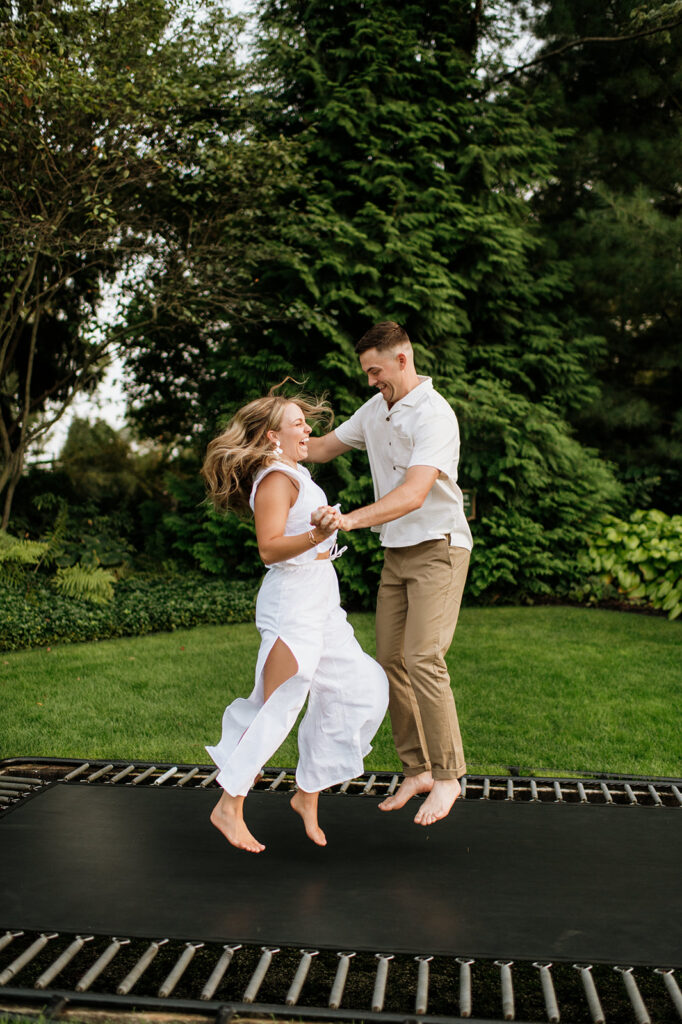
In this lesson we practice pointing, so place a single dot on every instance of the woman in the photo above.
(308, 648)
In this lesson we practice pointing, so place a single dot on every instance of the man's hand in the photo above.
(327, 518)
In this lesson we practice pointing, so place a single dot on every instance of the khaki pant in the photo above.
(420, 593)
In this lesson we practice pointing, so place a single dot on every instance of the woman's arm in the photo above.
(274, 497)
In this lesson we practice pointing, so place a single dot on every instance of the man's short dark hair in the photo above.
(383, 336)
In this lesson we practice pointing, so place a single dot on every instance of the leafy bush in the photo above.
(142, 603)
(638, 561)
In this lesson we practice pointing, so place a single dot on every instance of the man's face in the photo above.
(385, 372)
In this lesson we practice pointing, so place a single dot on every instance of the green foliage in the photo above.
(409, 201)
(23, 552)
(612, 210)
(143, 603)
(86, 582)
(637, 560)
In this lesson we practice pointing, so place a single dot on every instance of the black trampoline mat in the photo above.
(495, 879)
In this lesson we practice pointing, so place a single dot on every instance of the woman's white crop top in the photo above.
(310, 497)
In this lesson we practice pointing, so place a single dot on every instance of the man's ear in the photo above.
(402, 360)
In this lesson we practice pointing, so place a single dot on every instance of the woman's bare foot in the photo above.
(305, 804)
(439, 801)
(409, 787)
(228, 818)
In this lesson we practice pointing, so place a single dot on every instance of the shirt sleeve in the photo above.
(436, 444)
(352, 431)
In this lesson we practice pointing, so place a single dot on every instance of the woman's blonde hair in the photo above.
(235, 456)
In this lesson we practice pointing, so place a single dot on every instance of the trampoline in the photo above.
(552, 875)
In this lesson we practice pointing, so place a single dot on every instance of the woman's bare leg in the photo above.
(228, 818)
(228, 814)
(305, 804)
(280, 666)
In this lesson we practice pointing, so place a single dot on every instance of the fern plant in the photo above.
(16, 553)
(86, 582)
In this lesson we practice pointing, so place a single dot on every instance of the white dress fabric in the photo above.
(347, 690)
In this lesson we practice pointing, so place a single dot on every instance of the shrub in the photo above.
(638, 561)
(142, 603)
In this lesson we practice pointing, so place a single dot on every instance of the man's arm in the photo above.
(322, 449)
(406, 497)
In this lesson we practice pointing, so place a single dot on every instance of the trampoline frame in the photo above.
(21, 778)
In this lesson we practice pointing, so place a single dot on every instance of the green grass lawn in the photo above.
(545, 688)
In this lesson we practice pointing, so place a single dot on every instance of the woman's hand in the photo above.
(327, 518)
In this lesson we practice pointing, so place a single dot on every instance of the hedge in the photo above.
(35, 614)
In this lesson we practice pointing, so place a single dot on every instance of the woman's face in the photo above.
(293, 433)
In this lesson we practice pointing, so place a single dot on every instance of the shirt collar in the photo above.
(414, 396)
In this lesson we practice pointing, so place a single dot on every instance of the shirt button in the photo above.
(387, 418)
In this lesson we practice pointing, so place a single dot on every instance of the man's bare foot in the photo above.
(228, 818)
(439, 801)
(409, 787)
(305, 804)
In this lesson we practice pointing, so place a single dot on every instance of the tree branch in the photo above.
(581, 42)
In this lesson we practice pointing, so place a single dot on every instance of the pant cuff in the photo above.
(410, 770)
(449, 773)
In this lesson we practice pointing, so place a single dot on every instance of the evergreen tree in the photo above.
(613, 211)
(411, 204)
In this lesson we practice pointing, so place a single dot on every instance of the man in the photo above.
(412, 441)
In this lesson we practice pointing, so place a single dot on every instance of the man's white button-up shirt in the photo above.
(419, 430)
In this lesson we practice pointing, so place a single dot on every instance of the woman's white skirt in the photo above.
(347, 690)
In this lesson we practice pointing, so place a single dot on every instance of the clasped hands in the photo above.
(328, 518)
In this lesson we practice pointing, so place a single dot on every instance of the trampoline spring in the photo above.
(7, 938)
(166, 775)
(630, 792)
(678, 794)
(463, 784)
(508, 1008)
(99, 773)
(548, 992)
(61, 962)
(344, 786)
(25, 958)
(186, 778)
(144, 775)
(533, 791)
(379, 993)
(593, 1002)
(21, 780)
(582, 794)
(140, 967)
(218, 971)
(421, 1001)
(259, 974)
(510, 789)
(122, 774)
(672, 986)
(100, 964)
(654, 795)
(276, 782)
(300, 976)
(465, 985)
(210, 778)
(486, 789)
(558, 792)
(393, 785)
(336, 994)
(77, 771)
(9, 785)
(179, 969)
(369, 784)
(607, 792)
(634, 995)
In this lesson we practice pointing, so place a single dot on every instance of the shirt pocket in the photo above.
(401, 449)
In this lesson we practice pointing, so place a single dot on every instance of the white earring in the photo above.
(278, 449)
